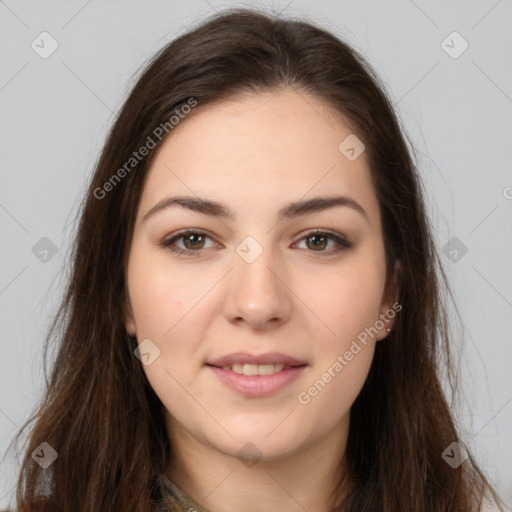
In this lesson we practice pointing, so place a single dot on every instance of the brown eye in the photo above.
(192, 242)
(317, 241)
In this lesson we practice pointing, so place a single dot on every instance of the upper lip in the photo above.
(246, 358)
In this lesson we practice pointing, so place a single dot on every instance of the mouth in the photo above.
(256, 369)
(257, 376)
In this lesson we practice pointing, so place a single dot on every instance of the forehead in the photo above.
(280, 145)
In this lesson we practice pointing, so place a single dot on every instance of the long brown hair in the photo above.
(99, 412)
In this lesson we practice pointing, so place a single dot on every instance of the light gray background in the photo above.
(55, 113)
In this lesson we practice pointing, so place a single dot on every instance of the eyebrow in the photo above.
(289, 211)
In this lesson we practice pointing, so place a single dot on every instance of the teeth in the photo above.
(255, 369)
(266, 369)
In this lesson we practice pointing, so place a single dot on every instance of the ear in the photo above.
(128, 319)
(390, 305)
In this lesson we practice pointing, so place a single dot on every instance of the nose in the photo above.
(257, 292)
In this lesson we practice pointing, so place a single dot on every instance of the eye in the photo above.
(317, 240)
(194, 241)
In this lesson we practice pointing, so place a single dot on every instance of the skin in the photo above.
(255, 153)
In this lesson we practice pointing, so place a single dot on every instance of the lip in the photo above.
(257, 385)
(246, 358)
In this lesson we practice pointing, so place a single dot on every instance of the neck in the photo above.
(303, 480)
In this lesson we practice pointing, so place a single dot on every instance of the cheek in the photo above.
(162, 297)
(171, 309)
(348, 305)
(347, 301)
(330, 395)
(350, 309)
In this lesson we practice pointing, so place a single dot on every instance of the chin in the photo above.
(265, 441)
(250, 451)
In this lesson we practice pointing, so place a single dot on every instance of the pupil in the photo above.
(191, 237)
(318, 243)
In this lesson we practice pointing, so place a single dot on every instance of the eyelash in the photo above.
(343, 244)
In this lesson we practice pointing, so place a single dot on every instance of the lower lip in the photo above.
(257, 385)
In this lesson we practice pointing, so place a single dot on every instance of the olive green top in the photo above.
(172, 495)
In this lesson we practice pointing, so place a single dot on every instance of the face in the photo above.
(293, 296)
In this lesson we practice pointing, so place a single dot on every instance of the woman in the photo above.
(253, 319)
